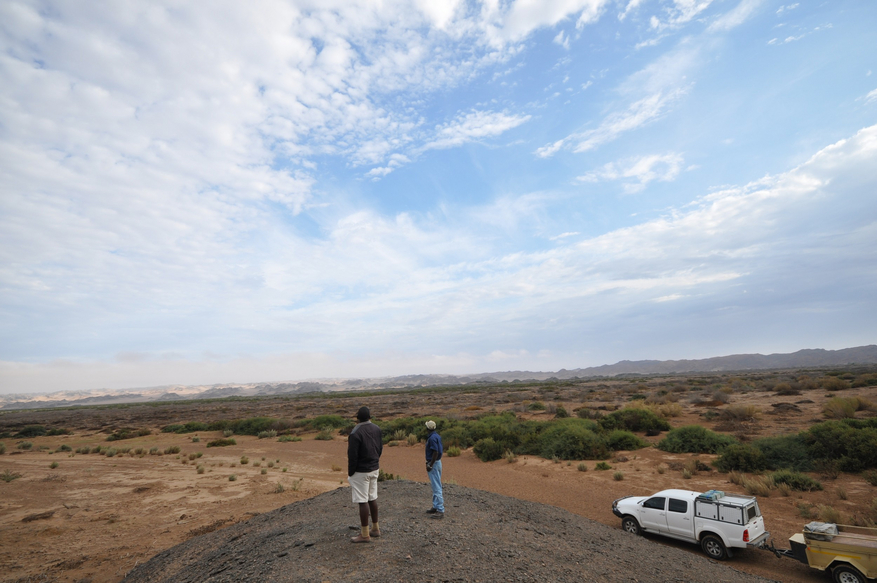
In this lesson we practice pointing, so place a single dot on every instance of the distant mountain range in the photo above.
(810, 358)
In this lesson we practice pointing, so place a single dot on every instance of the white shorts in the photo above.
(364, 486)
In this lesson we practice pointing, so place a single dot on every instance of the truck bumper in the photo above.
(615, 509)
(759, 542)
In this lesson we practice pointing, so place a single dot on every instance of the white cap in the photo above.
(430, 424)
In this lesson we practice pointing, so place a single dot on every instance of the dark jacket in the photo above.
(364, 447)
(433, 445)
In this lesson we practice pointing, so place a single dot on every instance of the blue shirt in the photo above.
(433, 443)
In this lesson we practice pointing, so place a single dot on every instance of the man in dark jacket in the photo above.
(364, 447)
(434, 450)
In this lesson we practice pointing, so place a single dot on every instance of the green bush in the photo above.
(127, 433)
(573, 442)
(453, 451)
(65, 447)
(172, 449)
(625, 440)
(31, 431)
(795, 480)
(8, 475)
(2, 448)
(287, 438)
(190, 427)
(25, 445)
(561, 412)
(602, 466)
(488, 450)
(536, 406)
(324, 435)
(326, 421)
(219, 443)
(853, 445)
(57, 431)
(695, 439)
(742, 458)
(785, 452)
(635, 419)
(266, 434)
(457, 436)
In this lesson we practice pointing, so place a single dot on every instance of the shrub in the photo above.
(870, 477)
(110, 452)
(270, 433)
(635, 419)
(853, 443)
(796, 480)
(244, 460)
(625, 440)
(829, 514)
(741, 457)
(488, 450)
(739, 413)
(412, 439)
(324, 435)
(190, 427)
(173, 449)
(31, 431)
(453, 451)
(227, 433)
(573, 442)
(65, 447)
(694, 439)
(785, 452)
(25, 445)
(536, 406)
(560, 412)
(200, 469)
(127, 433)
(221, 442)
(509, 456)
(385, 476)
(666, 410)
(264, 471)
(154, 450)
(833, 384)
(840, 408)
(582, 467)
(288, 438)
(53, 465)
(758, 485)
(686, 474)
(2, 448)
(586, 413)
(602, 466)
(8, 475)
(618, 476)
(232, 478)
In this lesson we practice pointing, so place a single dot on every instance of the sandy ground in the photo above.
(109, 514)
(93, 518)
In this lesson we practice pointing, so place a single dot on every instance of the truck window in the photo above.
(678, 505)
(751, 512)
(656, 502)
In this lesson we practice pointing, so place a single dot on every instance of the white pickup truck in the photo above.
(716, 521)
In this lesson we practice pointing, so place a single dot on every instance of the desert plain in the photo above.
(74, 517)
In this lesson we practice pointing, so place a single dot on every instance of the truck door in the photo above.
(678, 518)
(654, 514)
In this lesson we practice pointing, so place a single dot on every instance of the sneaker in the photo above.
(360, 539)
(432, 511)
(438, 515)
(374, 533)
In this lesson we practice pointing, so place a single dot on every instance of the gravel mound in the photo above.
(483, 537)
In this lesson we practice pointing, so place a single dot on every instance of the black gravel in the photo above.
(483, 537)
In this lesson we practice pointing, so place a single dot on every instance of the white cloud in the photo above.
(562, 40)
(785, 8)
(736, 16)
(682, 12)
(632, 5)
(872, 96)
(472, 126)
(637, 173)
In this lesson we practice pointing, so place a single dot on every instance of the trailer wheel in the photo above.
(629, 524)
(847, 574)
(714, 547)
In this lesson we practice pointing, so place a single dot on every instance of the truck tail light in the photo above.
(746, 536)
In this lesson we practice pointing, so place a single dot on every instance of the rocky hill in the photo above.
(484, 537)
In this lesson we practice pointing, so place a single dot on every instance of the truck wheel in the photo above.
(846, 574)
(629, 524)
(714, 547)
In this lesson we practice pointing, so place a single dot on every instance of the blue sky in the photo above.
(266, 191)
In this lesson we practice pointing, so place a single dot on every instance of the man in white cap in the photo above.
(434, 452)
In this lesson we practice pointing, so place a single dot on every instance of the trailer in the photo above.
(848, 553)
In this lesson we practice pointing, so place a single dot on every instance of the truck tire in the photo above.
(629, 524)
(846, 574)
(714, 547)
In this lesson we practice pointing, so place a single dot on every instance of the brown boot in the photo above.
(360, 539)
(375, 533)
